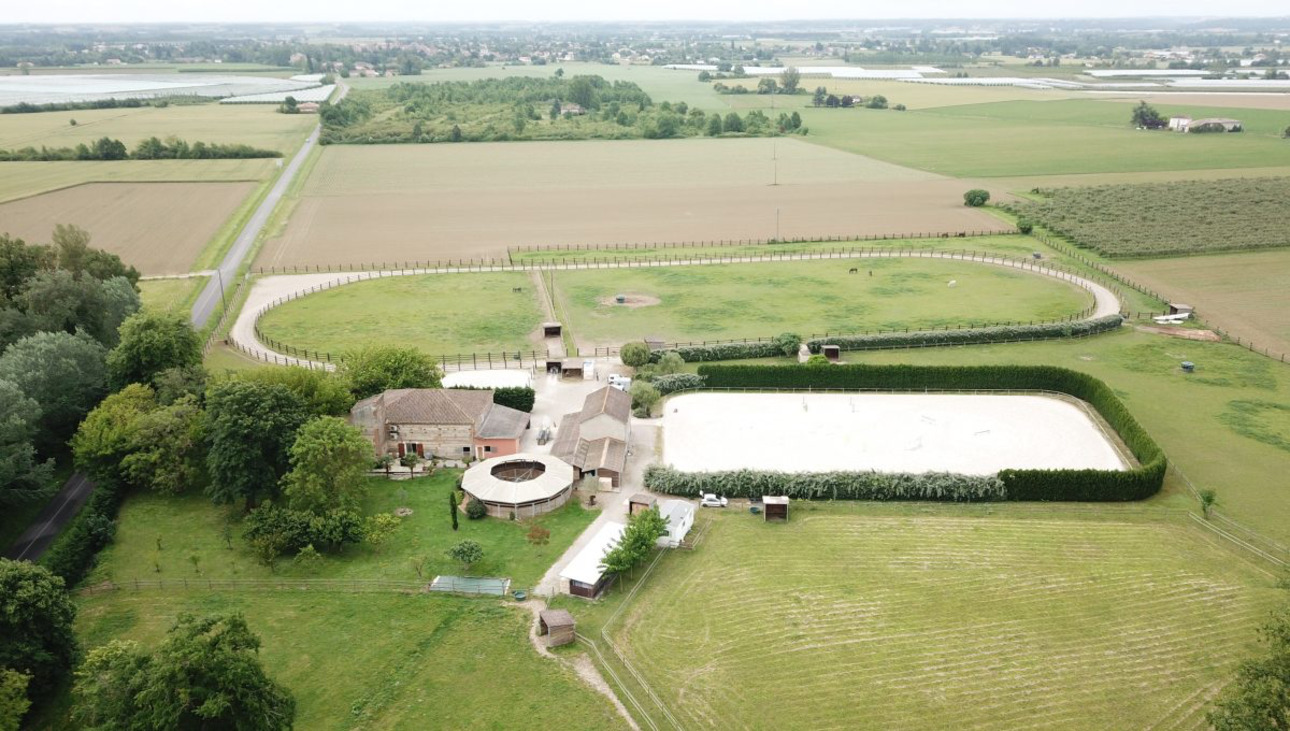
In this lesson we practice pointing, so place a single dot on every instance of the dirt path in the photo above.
(580, 663)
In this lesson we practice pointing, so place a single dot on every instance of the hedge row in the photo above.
(1137, 483)
(674, 382)
(73, 552)
(971, 336)
(721, 351)
(940, 486)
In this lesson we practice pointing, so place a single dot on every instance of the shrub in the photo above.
(976, 197)
(287, 531)
(634, 354)
(971, 336)
(475, 509)
(788, 343)
(516, 397)
(644, 397)
(1025, 226)
(74, 551)
(940, 486)
(467, 552)
(669, 363)
(677, 382)
(1086, 485)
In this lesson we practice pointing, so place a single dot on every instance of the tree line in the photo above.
(153, 148)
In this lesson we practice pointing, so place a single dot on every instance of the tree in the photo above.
(714, 126)
(467, 552)
(733, 123)
(452, 509)
(788, 343)
(766, 85)
(671, 362)
(790, 79)
(290, 106)
(323, 393)
(636, 542)
(153, 341)
(374, 369)
(329, 460)
(206, 675)
(53, 301)
(1145, 115)
(704, 76)
(795, 121)
(36, 616)
(1208, 499)
(22, 477)
(644, 397)
(634, 354)
(877, 101)
(820, 95)
(1286, 133)
(976, 197)
(1259, 698)
(63, 373)
(582, 93)
(378, 528)
(251, 427)
(554, 114)
(13, 699)
(109, 433)
(71, 244)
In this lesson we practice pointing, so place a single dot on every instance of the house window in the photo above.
(413, 448)
(488, 447)
(465, 450)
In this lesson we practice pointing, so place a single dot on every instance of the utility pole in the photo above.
(222, 301)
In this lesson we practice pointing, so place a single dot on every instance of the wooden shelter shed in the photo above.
(1178, 308)
(551, 329)
(640, 502)
(557, 626)
(774, 507)
(832, 352)
(571, 368)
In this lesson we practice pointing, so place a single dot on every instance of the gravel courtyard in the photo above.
(967, 434)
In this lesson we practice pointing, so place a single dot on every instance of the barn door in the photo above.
(401, 450)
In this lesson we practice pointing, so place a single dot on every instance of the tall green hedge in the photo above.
(971, 336)
(1137, 483)
(940, 486)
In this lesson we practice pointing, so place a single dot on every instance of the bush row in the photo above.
(721, 351)
(1081, 485)
(73, 552)
(674, 382)
(939, 486)
(971, 336)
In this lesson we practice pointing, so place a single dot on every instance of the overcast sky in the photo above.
(131, 11)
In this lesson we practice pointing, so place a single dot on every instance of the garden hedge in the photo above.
(917, 338)
(940, 486)
(674, 382)
(1137, 483)
(516, 397)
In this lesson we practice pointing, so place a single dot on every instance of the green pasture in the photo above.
(440, 314)
(1023, 618)
(725, 301)
(170, 294)
(378, 660)
(1020, 138)
(190, 526)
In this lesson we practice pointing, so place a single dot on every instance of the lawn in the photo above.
(1043, 138)
(440, 314)
(170, 294)
(378, 661)
(190, 525)
(865, 616)
(725, 301)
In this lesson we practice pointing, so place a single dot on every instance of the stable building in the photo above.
(679, 515)
(519, 486)
(585, 575)
(594, 440)
(440, 422)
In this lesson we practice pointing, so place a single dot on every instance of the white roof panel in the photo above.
(585, 568)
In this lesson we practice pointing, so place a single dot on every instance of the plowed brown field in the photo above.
(160, 228)
(366, 204)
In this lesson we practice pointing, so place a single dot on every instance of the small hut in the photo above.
(1178, 308)
(832, 352)
(639, 503)
(551, 329)
(775, 507)
(557, 625)
(571, 368)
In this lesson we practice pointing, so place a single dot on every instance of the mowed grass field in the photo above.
(1021, 138)
(440, 314)
(860, 618)
(724, 301)
(373, 204)
(1245, 294)
(170, 294)
(378, 661)
(160, 228)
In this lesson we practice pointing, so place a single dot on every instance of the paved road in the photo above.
(210, 296)
(64, 506)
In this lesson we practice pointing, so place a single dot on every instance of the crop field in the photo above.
(26, 179)
(1022, 138)
(885, 620)
(1163, 219)
(252, 124)
(365, 204)
(1245, 294)
(724, 301)
(160, 228)
(378, 661)
(440, 314)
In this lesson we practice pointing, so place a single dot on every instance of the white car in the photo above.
(712, 501)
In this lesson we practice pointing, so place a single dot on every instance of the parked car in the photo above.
(712, 501)
(622, 383)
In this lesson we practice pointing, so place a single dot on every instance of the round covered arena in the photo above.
(520, 485)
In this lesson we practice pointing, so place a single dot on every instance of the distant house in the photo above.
(1179, 124)
(679, 515)
(571, 108)
(1207, 124)
(594, 440)
(440, 422)
(307, 108)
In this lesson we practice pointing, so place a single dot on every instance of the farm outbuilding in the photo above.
(572, 368)
(1178, 308)
(640, 502)
(585, 575)
(679, 515)
(551, 329)
(774, 507)
(832, 352)
(520, 485)
(557, 626)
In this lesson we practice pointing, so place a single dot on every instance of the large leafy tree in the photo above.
(36, 616)
(152, 342)
(378, 368)
(323, 393)
(250, 429)
(206, 675)
(109, 434)
(169, 450)
(328, 461)
(22, 477)
(643, 529)
(1259, 698)
(63, 373)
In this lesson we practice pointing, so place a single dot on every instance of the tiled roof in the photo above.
(503, 422)
(436, 406)
(607, 400)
